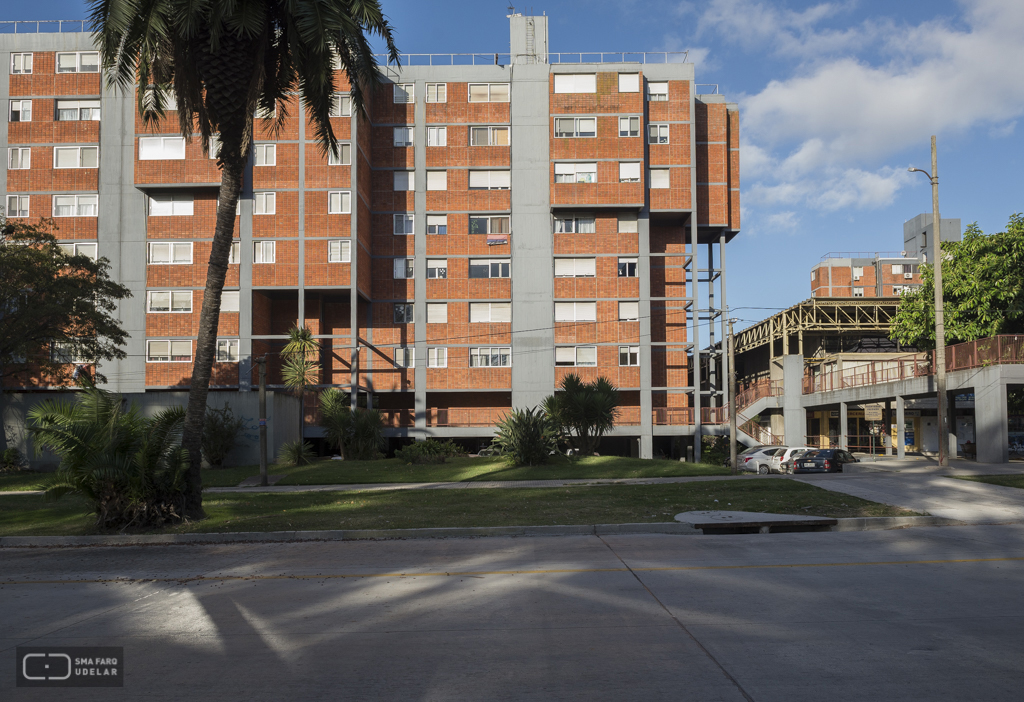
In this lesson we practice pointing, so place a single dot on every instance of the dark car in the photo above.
(824, 461)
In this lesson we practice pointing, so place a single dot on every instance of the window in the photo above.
(627, 223)
(437, 92)
(229, 301)
(21, 63)
(897, 269)
(437, 268)
(488, 92)
(213, 149)
(235, 256)
(404, 313)
(437, 224)
(78, 110)
(339, 202)
(227, 350)
(170, 204)
(79, 62)
(404, 223)
(575, 267)
(629, 126)
(490, 180)
(575, 83)
(437, 313)
(493, 312)
(17, 205)
(403, 136)
(575, 311)
(629, 355)
(858, 272)
(629, 311)
(576, 356)
(575, 225)
(404, 181)
(76, 157)
(657, 133)
(575, 172)
(489, 225)
(437, 136)
(490, 268)
(264, 251)
(263, 113)
(629, 172)
(659, 178)
(405, 92)
(488, 136)
(575, 126)
(341, 106)
(404, 268)
(490, 358)
(405, 357)
(264, 203)
(169, 253)
(657, 92)
(169, 301)
(339, 251)
(169, 351)
(629, 82)
(19, 158)
(437, 180)
(266, 154)
(437, 357)
(162, 148)
(627, 267)
(21, 111)
(67, 352)
(76, 205)
(342, 158)
(859, 292)
(88, 250)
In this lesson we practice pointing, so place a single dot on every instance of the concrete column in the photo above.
(842, 426)
(951, 422)
(887, 437)
(990, 420)
(644, 274)
(794, 415)
(901, 439)
(420, 252)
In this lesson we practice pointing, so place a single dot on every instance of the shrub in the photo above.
(526, 438)
(358, 434)
(219, 434)
(11, 461)
(581, 412)
(429, 451)
(296, 453)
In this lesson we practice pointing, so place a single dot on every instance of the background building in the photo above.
(492, 223)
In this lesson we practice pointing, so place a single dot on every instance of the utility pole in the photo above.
(940, 326)
(732, 400)
(262, 363)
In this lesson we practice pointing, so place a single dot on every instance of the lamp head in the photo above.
(913, 170)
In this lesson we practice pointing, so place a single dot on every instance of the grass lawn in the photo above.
(392, 470)
(21, 481)
(1014, 480)
(30, 515)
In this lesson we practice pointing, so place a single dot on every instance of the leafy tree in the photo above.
(583, 412)
(222, 61)
(132, 469)
(54, 307)
(358, 433)
(982, 288)
(526, 437)
(301, 368)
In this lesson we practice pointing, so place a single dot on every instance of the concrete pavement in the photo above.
(921, 614)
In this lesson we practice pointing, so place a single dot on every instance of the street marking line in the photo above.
(469, 573)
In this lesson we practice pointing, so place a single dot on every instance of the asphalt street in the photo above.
(917, 614)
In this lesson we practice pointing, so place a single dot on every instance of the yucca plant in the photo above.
(583, 412)
(525, 437)
(357, 434)
(296, 453)
(131, 468)
(301, 368)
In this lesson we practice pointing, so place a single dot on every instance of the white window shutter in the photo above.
(565, 267)
(437, 313)
(586, 266)
(501, 311)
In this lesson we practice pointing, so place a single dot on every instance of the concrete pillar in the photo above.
(794, 414)
(990, 420)
(842, 426)
(901, 439)
(887, 424)
(951, 421)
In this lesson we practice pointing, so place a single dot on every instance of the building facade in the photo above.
(487, 226)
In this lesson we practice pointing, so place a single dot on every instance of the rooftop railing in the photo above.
(42, 26)
(866, 254)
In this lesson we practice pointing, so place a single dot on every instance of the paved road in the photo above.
(920, 614)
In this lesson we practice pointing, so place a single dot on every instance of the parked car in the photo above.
(783, 461)
(758, 459)
(824, 461)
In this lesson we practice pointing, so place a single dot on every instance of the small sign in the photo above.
(872, 413)
(70, 666)
(263, 422)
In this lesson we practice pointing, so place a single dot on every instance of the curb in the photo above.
(873, 523)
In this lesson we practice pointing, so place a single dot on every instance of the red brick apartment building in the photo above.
(491, 224)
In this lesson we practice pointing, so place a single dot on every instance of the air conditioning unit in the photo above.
(856, 277)
(908, 276)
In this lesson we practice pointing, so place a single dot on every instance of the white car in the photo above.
(782, 461)
(759, 459)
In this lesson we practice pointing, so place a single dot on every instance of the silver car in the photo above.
(759, 459)
(783, 460)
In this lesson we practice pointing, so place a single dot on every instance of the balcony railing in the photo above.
(42, 26)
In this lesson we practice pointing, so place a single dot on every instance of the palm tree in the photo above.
(357, 433)
(583, 412)
(301, 368)
(222, 60)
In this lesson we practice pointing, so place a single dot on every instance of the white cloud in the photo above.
(782, 221)
(833, 189)
(1003, 130)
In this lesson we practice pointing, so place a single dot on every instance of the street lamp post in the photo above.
(940, 327)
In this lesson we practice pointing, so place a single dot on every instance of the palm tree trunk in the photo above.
(206, 345)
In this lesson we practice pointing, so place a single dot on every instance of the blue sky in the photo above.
(836, 100)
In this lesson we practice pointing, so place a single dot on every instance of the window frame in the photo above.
(654, 183)
(408, 313)
(437, 136)
(342, 158)
(407, 92)
(341, 105)
(230, 344)
(491, 131)
(172, 245)
(269, 200)
(343, 250)
(410, 181)
(502, 264)
(407, 137)
(21, 110)
(437, 357)
(576, 307)
(630, 133)
(170, 302)
(575, 83)
(269, 155)
(637, 165)
(436, 306)
(657, 96)
(75, 245)
(624, 263)
(175, 199)
(577, 220)
(628, 317)
(17, 208)
(630, 79)
(490, 97)
(575, 356)
(263, 245)
(405, 357)
(236, 295)
(490, 312)
(432, 186)
(490, 352)
(170, 350)
(437, 224)
(344, 199)
(432, 265)
(655, 133)
(21, 55)
(577, 133)
(20, 152)
(408, 222)
(80, 159)
(577, 171)
(78, 110)
(506, 175)
(490, 219)
(163, 148)
(440, 92)
(79, 197)
(408, 269)
(631, 353)
(78, 61)
(591, 260)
